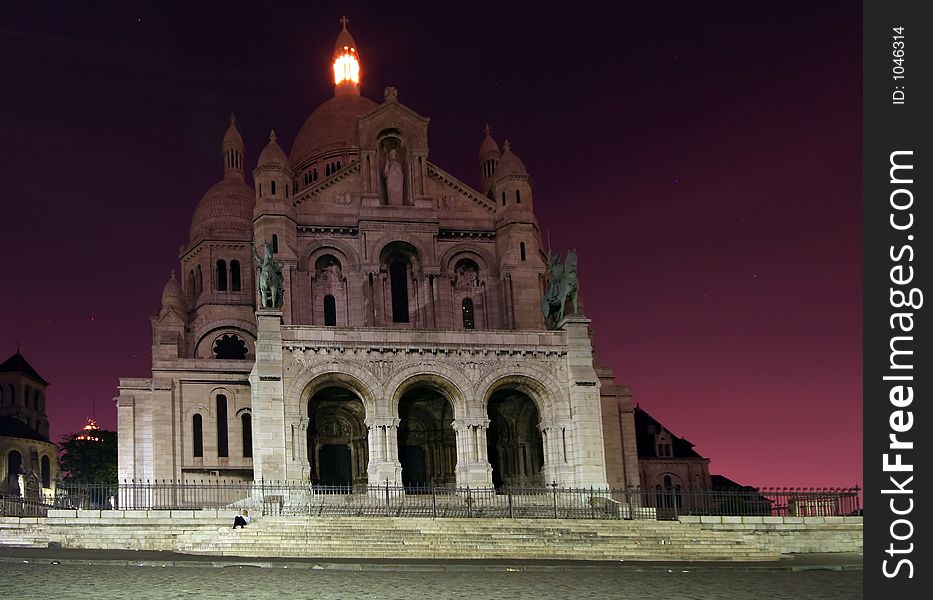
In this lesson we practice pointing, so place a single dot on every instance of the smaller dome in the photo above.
(489, 147)
(510, 163)
(173, 296)
(226, 209)
(272, 154)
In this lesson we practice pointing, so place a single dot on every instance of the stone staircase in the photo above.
(413, 538)
(24, 532)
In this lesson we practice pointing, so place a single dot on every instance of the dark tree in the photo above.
(89, 460)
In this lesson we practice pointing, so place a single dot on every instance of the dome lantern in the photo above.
(346, 63)
(488, 159)
(233, 149)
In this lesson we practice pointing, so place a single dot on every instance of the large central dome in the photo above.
(332, 126)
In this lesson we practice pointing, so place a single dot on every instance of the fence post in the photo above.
(433, 500)
(674, 502)
(387, 496)
(262, 496)
(555, 500)
(469, 503)
(509, 492)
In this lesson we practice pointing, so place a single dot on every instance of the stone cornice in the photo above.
(446, 178)
(325, 183)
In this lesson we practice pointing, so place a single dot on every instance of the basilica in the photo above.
(357, 314)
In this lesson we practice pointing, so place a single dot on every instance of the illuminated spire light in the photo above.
(347, 66)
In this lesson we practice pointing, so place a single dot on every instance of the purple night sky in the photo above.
(703, 158)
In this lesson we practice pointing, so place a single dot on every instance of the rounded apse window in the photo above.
(230, 346)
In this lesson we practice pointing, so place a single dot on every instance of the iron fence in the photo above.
(551, 502)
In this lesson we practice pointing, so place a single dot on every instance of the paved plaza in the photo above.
(39, 573)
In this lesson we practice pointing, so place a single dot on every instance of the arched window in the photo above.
(235, 275)
(315, 173)
(230, 347)
(521, 249)
(398, 275)
(46, 470)
(275, 243)
(338, 165)
(222, 275)
(222, 449)
(503, 198)
(468, 320)
(197, 430)
(247, 422)
(326, 170)
(198, 281)
(273, 187)
(14, 462)
(518, 197)
(330, 311)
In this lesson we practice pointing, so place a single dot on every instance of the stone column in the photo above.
(268, 399)
(384, 464)
(473, 468)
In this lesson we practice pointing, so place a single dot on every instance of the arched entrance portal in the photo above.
(516, 452)
(427, 446)
(337, 447)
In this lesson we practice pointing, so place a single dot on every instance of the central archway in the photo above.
(514, 444)
(337, 437)
(426, 441)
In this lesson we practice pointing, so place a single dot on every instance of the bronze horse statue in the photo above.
(271, 284)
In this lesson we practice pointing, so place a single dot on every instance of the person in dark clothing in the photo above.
(242, 521)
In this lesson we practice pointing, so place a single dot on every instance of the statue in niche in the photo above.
(331, 272)
(394, 179)
(466, 276)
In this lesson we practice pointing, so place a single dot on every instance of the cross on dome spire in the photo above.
(344, 20)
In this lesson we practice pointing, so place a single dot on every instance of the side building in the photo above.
(29, 465)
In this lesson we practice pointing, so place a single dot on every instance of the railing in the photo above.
(296, 498)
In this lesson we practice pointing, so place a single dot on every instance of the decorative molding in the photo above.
(332, 179)
(465, 190)
(319, 230)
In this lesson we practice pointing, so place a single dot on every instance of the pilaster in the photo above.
(268, 404)
(473, 468)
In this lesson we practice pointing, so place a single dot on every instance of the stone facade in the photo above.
(409, 345)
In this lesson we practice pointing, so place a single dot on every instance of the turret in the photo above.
(518, 239)
(488, 160)
(272, 175)
(510, 187)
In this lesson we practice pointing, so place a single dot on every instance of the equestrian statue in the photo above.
(270, 283)
(562, 286)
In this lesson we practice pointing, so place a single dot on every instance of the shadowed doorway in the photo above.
(337, 440)
(426, 441)
(514, 445)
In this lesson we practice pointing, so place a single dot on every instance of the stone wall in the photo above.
(209, 532)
